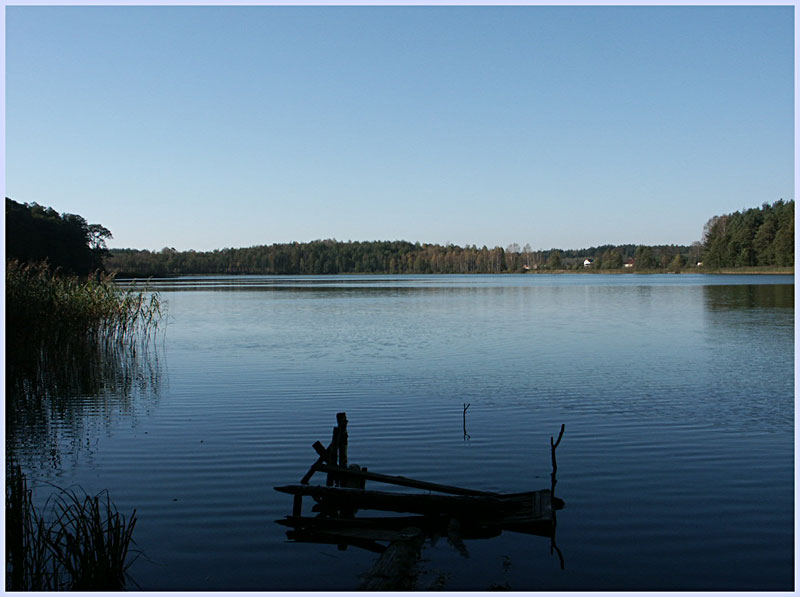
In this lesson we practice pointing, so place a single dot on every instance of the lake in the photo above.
(677, 393)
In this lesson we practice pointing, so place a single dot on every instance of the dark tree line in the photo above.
(390, 257)
(761, 236)
(66, 241)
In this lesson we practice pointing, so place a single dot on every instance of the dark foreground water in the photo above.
(677, 393)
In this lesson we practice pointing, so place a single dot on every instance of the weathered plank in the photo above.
(403, 481)
(323, 456)
(486, 506)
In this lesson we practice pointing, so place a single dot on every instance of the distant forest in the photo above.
(391, 257)
(760, 236)
(756, 237)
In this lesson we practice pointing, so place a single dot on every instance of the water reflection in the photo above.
(722, 298)
(662, 378)
(378, 282)
(57, 402)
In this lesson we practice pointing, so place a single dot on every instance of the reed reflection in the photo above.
(78, 350)
(65, 399)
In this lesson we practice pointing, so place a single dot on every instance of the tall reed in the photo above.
(53, 319)
(40, 303)
(29, 564)
(78, 543)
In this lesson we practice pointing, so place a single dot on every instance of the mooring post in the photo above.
(341, 421)
(333, 450)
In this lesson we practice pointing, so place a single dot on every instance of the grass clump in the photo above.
(79, 543)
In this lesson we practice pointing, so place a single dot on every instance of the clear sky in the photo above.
(211, 127)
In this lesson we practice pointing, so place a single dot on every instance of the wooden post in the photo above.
(333, 449)
(341, 421)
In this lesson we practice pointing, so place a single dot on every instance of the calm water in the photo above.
(677, 393)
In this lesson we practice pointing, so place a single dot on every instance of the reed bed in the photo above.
(80, 542)
(54, 320)
(65, 334)
(40, 303)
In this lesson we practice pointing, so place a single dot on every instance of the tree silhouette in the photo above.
(35, 233)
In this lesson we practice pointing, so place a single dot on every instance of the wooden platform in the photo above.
(438, 510)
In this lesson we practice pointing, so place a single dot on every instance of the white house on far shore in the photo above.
(587, 263)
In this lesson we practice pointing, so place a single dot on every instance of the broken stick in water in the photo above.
(553, 447)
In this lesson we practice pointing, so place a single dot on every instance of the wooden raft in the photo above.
(472, 513)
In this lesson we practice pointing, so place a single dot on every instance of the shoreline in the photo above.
(755, 271)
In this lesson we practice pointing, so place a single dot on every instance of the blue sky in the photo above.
(211, 127)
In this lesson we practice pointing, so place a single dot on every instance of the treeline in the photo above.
(761, 236)
(67, 242)
(393, 257)
(756, 237)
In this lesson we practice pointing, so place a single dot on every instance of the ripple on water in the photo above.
(676, 465)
